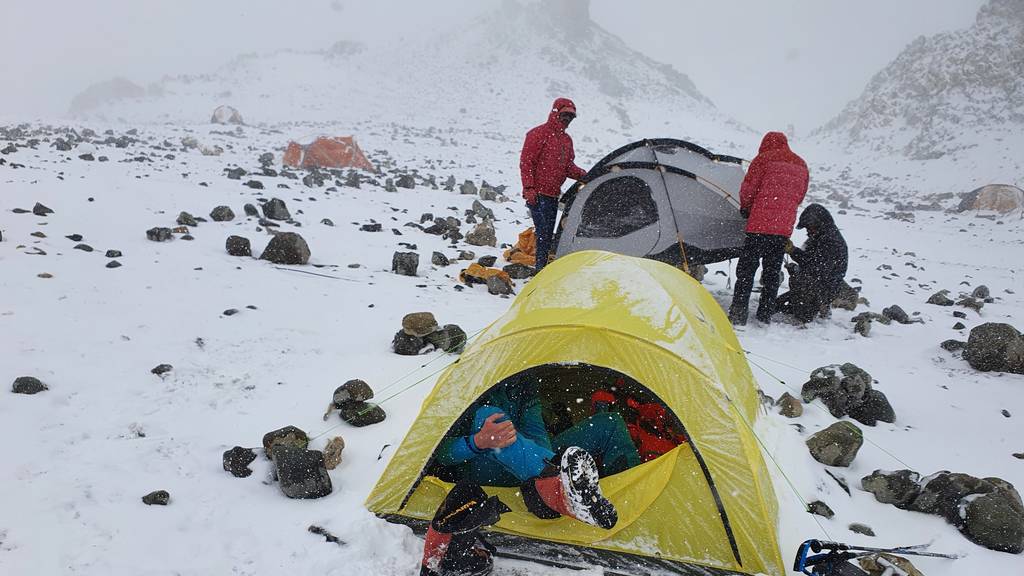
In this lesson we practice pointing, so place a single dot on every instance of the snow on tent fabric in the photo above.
(999, 198)
(705, 507)
(646, 198)
(324, 152)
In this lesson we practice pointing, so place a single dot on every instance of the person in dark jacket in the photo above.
(772, 190)
(820, 266)
(547, 160)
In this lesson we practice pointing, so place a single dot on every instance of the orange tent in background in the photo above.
(324, 152)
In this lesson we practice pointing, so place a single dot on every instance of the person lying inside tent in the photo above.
(502, 441)
(820, 266)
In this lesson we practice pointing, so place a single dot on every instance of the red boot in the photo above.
(451, 548)
(571, 490)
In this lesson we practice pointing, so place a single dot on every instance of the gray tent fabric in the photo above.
(646, 198)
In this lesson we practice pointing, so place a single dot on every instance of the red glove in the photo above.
(530, 195)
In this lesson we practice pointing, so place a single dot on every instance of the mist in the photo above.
(767, 65)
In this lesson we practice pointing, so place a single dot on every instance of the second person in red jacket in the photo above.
(770, 195)
(547, 160)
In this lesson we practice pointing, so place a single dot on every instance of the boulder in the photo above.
(159, 234)
(419, 324)
(840, 387)
(405, 181)
(237, 460)
(821, 509)
(372, 227)
(468, 188)
(972, 303)
(407, 345)
(482, 235)
(250, 210)
(451, 338)
(873, 409)
(487, 261)
(898, 488)
(488, 193)
(518, 271)
(287, 436)
(896, 314)
(28, 385)
(276, 209)
(449, 183)
(847, 298)
(981, 293)
(157, 498)
(995, 520)
(439, 259)
(941, 494)
(482, 211)
(361, 414)
(222, 214)
(836, 445)
(352, 391)
(863, 529)
(994, 347)
(287, 248)
(301, 473)
(113, 254)
(498, 286)
(405, 263)
(332, 452)
(940, 298)
(862, 326)
(254, 184)
(41, 210)
(186, 219)
(238, 246)
(789, 406)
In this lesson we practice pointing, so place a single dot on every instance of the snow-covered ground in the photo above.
(108, 431)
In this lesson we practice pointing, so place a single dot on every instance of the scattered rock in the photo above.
(482, 211)
(301, 473)
(972, 303)
(898, 488)
(41, 210)
(332, 452)
(953, 345)
(861, 529)
(186, 219)
(487, 261)
(158, 498)
(162, 369)
(407, 345)
(419, 324)
(994, 347)
(238, 246)
(848, 297)
(896, 314)
(940, 298)
(439, 259)
(251, 210)
(276, 209)
(468, 188)
(159, 234)
(451, 338)
(288, 436)
(113, 264)
(789, 406)
(327, 222)
(518, 271)
(840, 387)
(498, 286)
(482, 235)
(406, 181)
(981, 293)
(862, 326)
(371, 227)
(287, 248)
(467, 255)
(28, 385)
(230, 312)
(836, 445)
(254, 184)
(352, 391)
(74, 237)
(113, 254)
(44, 275)
(873, 409)
(222, 214)
(235, 173)
(821, 509)
(83, 247)
(405, 263)
(959, 326)
(361, 414)
(237, 461)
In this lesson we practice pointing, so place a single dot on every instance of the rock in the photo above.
(41, 210)
(518, 271)
(235, 173)
(361, 414)
(487, 261)
(162, 369)
(222, 214)
(467, 255)
(498, 286)
(959, 314)
(113, 264)
(83, 247)
(468, 188)
(861, 529)
(405, 263)
(449, 184)
(28, 385)
(482, 211)
(941, 494)
(439, 259)
(953, 345)
(74, 237)
(862, 326)
(451, 338)
(237, 461)
(332, 452)
(327, 222)
(372, 227)
(266, 159)
(981, 293)
(972, 303)
(880, 565)
(419, 324)
(940, 298)
(251, 210)
(821, 509)
(840, 387)
(238, 246)
(896, 314)
(873, 409)
(406, 181)
(407, 345)
(275, 209)
(959, 326)
(482, 235)
(287, 248)
(898, 488)
(288, 436)
(159, 234)
(301, 473)
(994, 347)
(230, 312)
(158, 498)
(789, 406)
(254, 184)
(488, 193)
(186, 219)
(352, 391)
(836, 445)
(848, 297)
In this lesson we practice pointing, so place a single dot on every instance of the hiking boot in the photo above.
(451, 547)
(572, 490)
(738, 317)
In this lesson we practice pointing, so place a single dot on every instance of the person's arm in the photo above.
(751, 183)
(456, 450)
(574, 171)
(532, 424)
(528, 157)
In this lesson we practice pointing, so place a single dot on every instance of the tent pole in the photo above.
(679, 235)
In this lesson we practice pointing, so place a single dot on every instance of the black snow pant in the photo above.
(765, 250)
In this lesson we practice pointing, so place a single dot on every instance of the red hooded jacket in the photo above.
(548, 156)
(774, 187)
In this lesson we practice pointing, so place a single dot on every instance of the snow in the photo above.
(81, 455)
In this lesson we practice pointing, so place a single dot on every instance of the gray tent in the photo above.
(651, 197)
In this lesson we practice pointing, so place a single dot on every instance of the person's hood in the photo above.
(560, 105)
(774, 141)
(816, 216)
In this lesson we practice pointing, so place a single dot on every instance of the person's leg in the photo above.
(524, 458)
(544, 213)
(605, 437)
(746, 268)
(772, 255)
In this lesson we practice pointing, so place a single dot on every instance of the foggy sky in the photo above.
(767, 64)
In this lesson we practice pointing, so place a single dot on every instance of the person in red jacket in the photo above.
(770, 195)
(546, 161)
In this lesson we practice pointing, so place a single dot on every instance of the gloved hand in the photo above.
(788, 248)
(745, 213)
(530, 195)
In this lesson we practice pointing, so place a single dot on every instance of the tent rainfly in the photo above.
(324, 152)
(1001, 198)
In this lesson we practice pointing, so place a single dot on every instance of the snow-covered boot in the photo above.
(451, 548)
(570, 489)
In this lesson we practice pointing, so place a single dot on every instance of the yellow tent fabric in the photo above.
(659, 326)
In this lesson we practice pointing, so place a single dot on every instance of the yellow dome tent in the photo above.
(705, 507)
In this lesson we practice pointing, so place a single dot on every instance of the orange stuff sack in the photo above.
(524, 252)
(477, 274)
